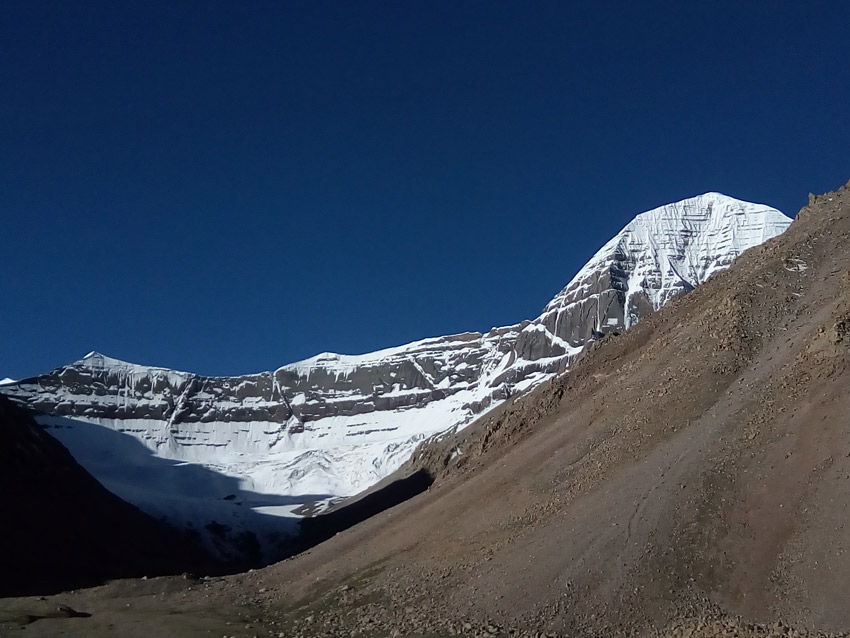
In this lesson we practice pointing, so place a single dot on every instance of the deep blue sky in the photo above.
(225, 187)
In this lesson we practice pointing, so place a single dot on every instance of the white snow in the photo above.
(685, 241)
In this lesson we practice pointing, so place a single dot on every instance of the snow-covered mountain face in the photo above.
(660, 254)
(244, 451)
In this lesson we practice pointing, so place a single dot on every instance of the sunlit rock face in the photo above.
(660, 254)
(244, 451)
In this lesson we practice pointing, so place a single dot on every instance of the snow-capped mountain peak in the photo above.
(658, 255)
(334, 424)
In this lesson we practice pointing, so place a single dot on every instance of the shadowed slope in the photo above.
(62, 529)
(698, 464)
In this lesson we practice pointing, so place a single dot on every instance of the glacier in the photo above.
(253, 452)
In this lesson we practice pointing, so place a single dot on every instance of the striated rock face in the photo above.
(333, 425)
(660, 254)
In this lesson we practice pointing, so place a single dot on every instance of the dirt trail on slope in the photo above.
(688, 478)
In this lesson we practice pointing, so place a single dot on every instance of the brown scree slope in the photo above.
(699, 463)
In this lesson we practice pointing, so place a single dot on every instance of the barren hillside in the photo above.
(697, 464)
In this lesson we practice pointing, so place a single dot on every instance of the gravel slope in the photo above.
(697, 465)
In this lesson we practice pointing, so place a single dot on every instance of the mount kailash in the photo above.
(238, 458)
